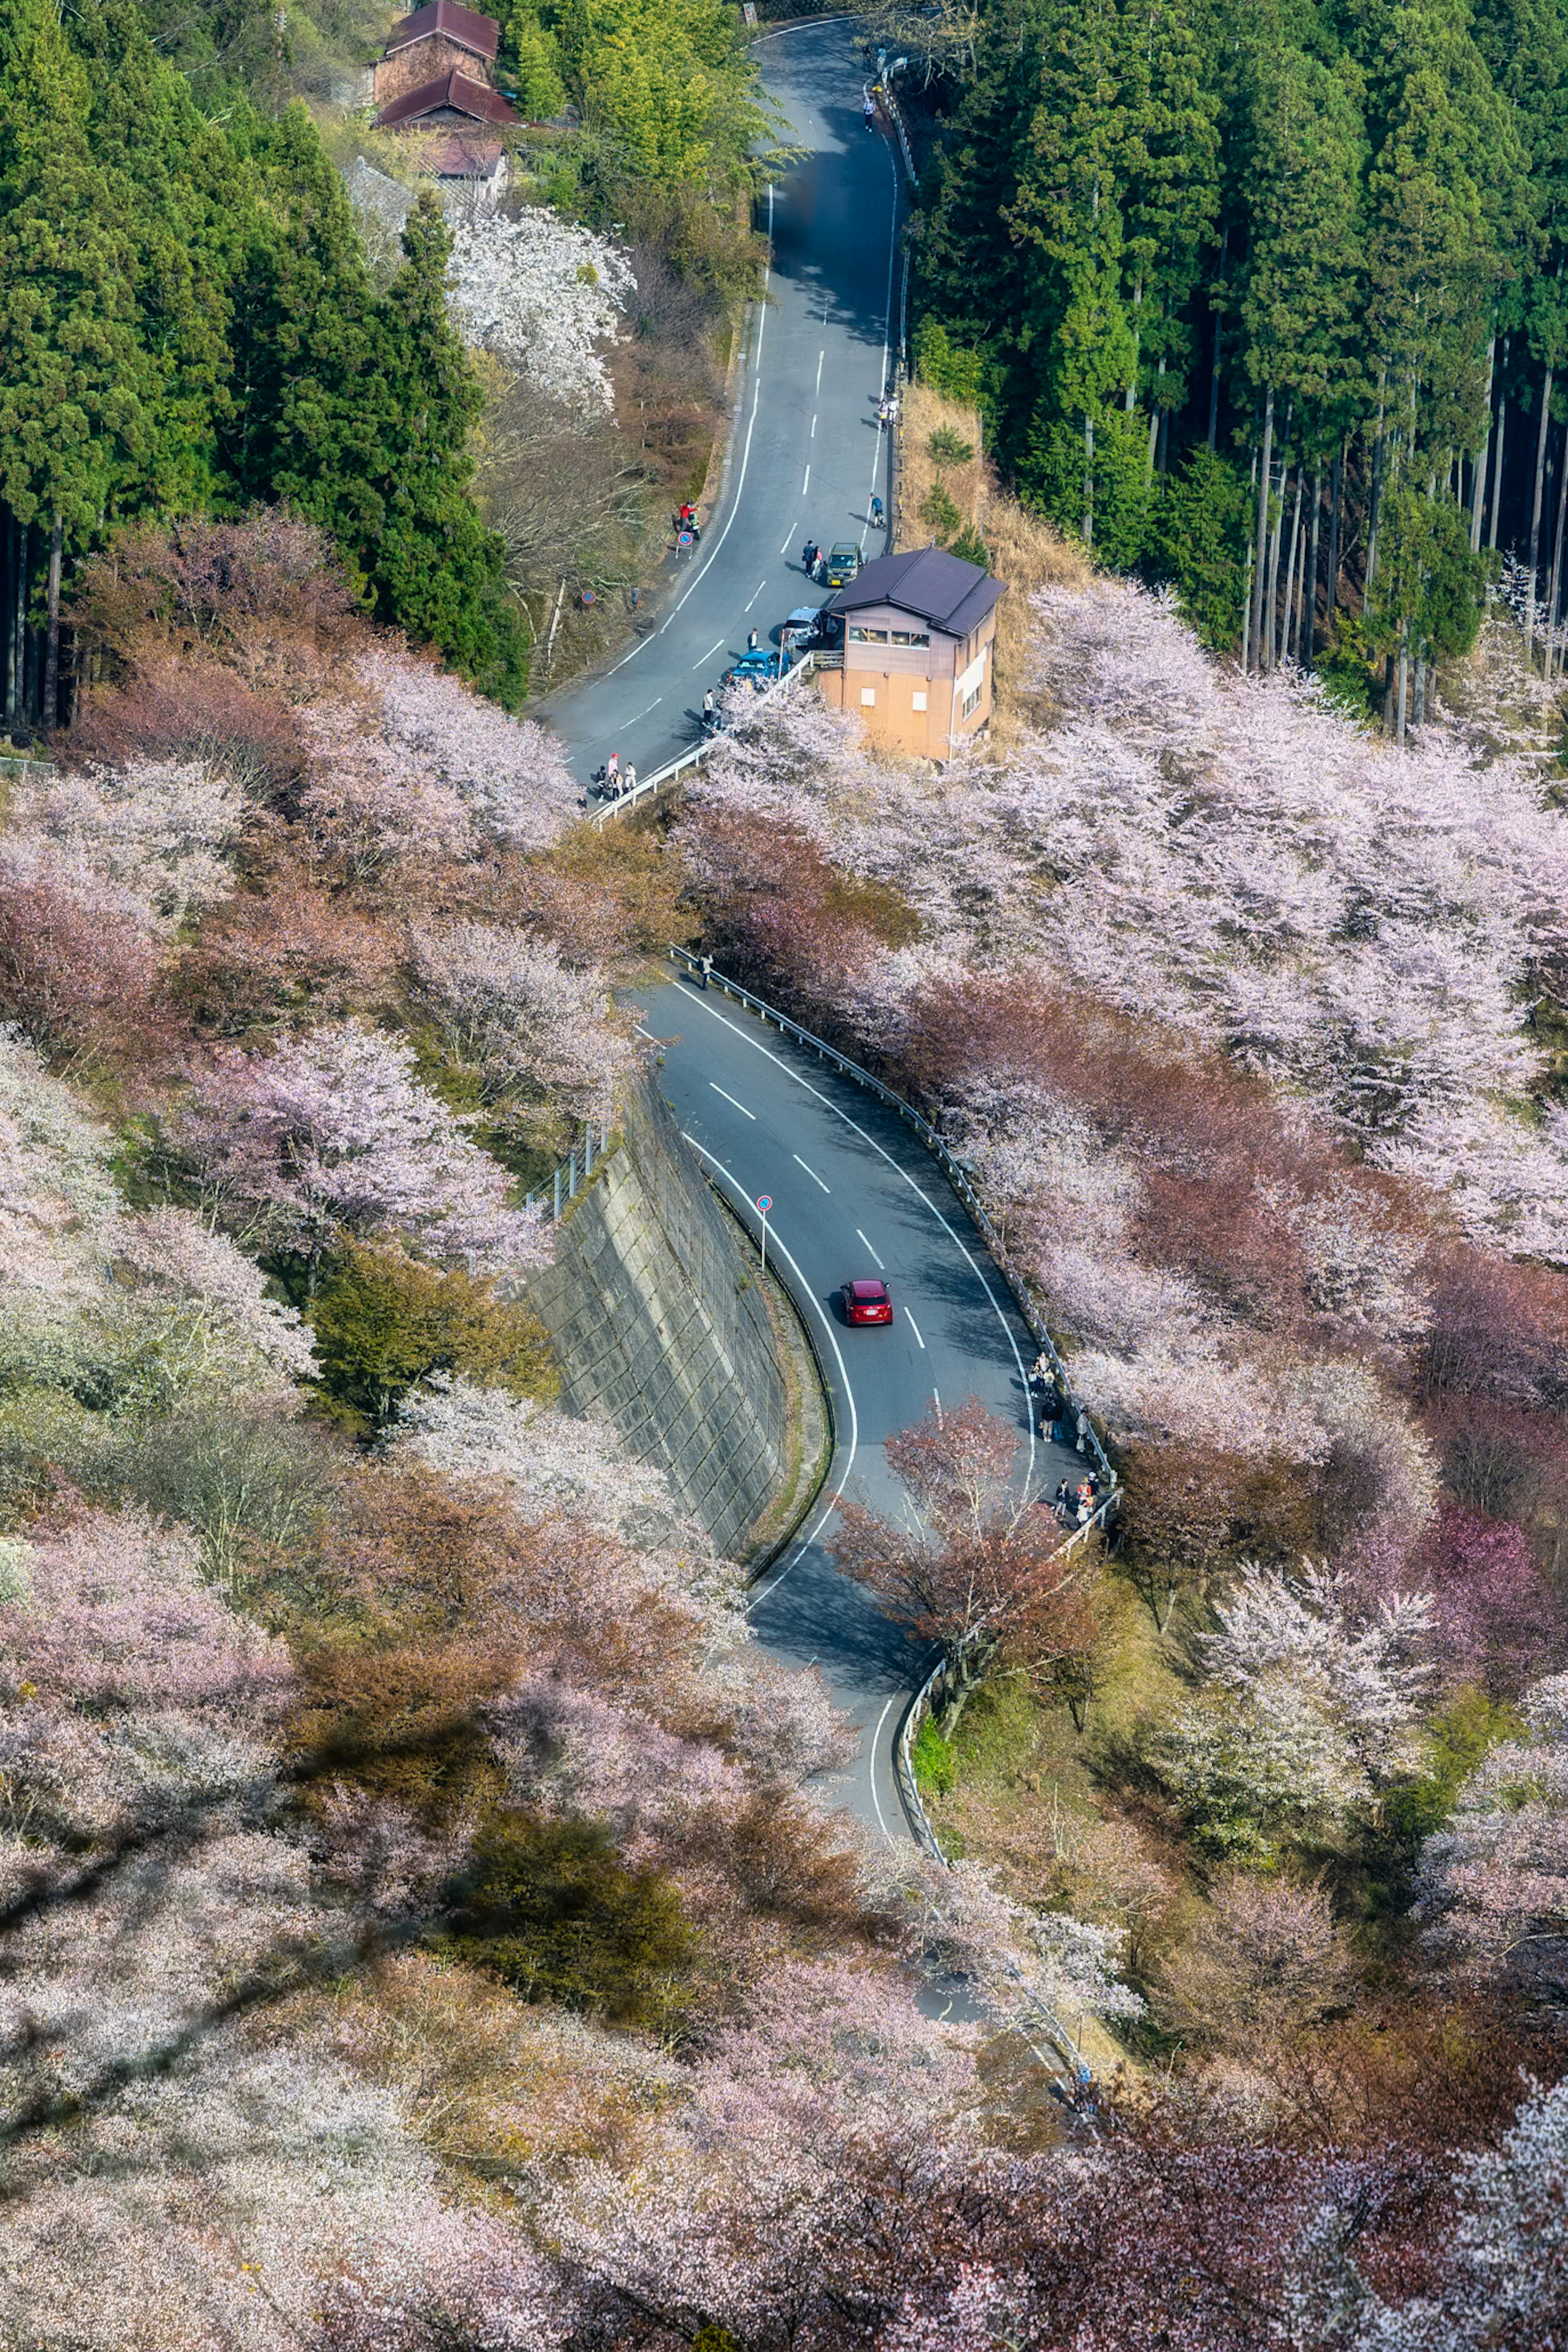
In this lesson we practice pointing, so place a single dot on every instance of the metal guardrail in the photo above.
(567, 1174)
(955, 1168)
(646, 786)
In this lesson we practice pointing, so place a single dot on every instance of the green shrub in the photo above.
(549, 1905)
(949, 448)
(1455, 1741)
(237, 1470)
(951, 368)
(1197, 541)
(383, 1323)
(933, 1761)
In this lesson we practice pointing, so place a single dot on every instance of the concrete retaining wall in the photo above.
(653, 1307)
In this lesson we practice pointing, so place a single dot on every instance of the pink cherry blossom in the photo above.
(332, 1133)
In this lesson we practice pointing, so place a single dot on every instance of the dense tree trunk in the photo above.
(23, 684)
(1553, 661)
(1268, 642)
(1535, 516)
(50, 714)
(10, 588)
(1478, 469)
(1311, 613)
(1130, 397)
(1261, 550)
(1246, 585)
(1376, 486)
(1404, 678)
(1285, 615)
(1214, 372)
(1336, 476)
(1497, 452)
(1088, 480)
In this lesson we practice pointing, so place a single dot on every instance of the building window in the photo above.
(971, 702)
(911, 636)
(867, 697)
(918, 698)
(869, 637)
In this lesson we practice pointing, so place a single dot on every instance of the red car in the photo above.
(866, 1302)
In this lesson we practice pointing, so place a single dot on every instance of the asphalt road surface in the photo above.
(854, 1194)
(807, 451)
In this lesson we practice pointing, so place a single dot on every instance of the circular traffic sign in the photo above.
(764, 1201)
(684, 540)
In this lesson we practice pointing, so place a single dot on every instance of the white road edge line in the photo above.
(871, 1768)
(730, 1099)
(757, 593)
(820, 357)
(800, 1163)
(789, 540)
(748, 1209)
(806, 484)
(924, 1198)
(887, 332)
(915, 1327)
(881, 1264)
(806, 1541)
(708, 654)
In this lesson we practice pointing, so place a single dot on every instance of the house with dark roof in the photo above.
(453, 103)
(436, 41)
(438, 73)
(918, 633)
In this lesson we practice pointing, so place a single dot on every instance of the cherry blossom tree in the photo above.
(974, 1565)
(152, 839)
(508, 1008)
(332, 1133)
(415, 763)
(1493, 1885)
(1501, 2272)
(541, 293)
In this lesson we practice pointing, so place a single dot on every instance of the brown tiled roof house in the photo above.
(446, 104)
(433, 44)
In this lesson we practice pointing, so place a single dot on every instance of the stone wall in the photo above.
(658, 1322)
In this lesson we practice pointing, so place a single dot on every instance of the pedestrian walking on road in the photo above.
(876, 514)
(630, 780)
(1083, 1432)
(613, 771)
(868, 111)
(709, 708)
(751, 641)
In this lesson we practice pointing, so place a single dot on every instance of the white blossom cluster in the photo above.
(542, 294)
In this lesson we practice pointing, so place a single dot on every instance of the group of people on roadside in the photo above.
(613, 781)
(1076, 1505)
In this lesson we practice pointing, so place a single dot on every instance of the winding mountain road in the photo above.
(853, 1194)
(853, 1191)
(807, 452)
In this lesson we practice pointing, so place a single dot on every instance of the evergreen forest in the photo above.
(1176, 249)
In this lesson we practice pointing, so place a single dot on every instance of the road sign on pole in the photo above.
(764, 1203)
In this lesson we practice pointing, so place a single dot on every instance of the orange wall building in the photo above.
(918, 632)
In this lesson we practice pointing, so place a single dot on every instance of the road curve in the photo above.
(807, 451)
(853, 1194)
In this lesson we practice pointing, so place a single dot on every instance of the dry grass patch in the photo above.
(1026, 552)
